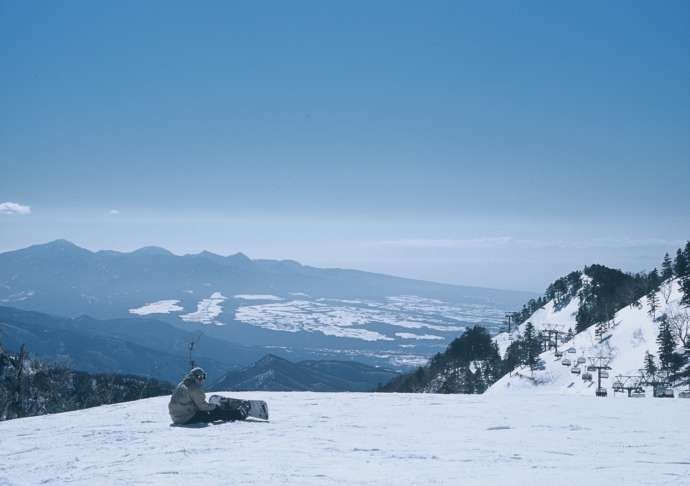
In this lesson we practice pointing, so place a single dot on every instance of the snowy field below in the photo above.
(350, 438)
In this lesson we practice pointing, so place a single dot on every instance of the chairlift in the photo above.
(601, 392)
(604, 374)
(591, 368)
(558, 354)
(565, 362)
(637, 394)
(572, 350)
(684, 394)
(618, 386)
(665, 392)
(581, 360)
(575, 370)
(587, 376)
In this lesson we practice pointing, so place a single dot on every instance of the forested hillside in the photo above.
(29, 387)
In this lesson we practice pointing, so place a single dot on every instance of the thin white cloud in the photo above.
(14, 208)
(446, 242)
(114, 211)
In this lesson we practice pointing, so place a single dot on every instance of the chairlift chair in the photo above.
(601, 392)
(575, 370)
(587, 376)
(581, 360)
(604, 374)
(637, 394)
(591, 368)
(565, 362)
(558, 354)
(665, 392)
(572, 350)
(684, 394)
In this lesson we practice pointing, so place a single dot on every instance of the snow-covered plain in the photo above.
(349, 318)
(158, 307)
(207, 310)
(257, 297)
(388, 439)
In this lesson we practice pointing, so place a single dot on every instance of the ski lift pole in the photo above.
(190, 348)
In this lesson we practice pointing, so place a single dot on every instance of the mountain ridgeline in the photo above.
(474, 361)
(61, 277)
(273, 373)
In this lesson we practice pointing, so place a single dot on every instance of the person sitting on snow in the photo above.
(188, 403)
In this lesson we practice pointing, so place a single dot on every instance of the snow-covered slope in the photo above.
(362, 439)
(633, 334)
(552, 316)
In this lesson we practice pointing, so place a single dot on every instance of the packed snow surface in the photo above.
(159, 307)
(348, 438)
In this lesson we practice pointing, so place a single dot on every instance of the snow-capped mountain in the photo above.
(358, 438)
(629, 336)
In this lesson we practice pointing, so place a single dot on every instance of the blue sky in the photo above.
(498, 144)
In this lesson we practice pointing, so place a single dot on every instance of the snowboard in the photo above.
(248, 408)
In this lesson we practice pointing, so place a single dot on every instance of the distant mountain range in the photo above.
(145, 347)
(272, 373)
(301, 310)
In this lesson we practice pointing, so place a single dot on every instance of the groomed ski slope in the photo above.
(361, 439)
(626, 343)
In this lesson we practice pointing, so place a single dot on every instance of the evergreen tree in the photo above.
(680, 264)
(654, 279)
(514, 356)
(653, 302)
(532, 347)
(666, 343)
(650, 367)
(666, 267)
(685, 288)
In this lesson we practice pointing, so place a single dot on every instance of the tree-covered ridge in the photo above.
(29, 387)
(608, 290)
(470, 364)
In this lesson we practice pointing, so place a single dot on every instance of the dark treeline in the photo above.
(29, 387)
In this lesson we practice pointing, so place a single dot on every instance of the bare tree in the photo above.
(680, 326)
(667, 290)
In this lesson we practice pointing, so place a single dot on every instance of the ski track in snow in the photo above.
(364, 439)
